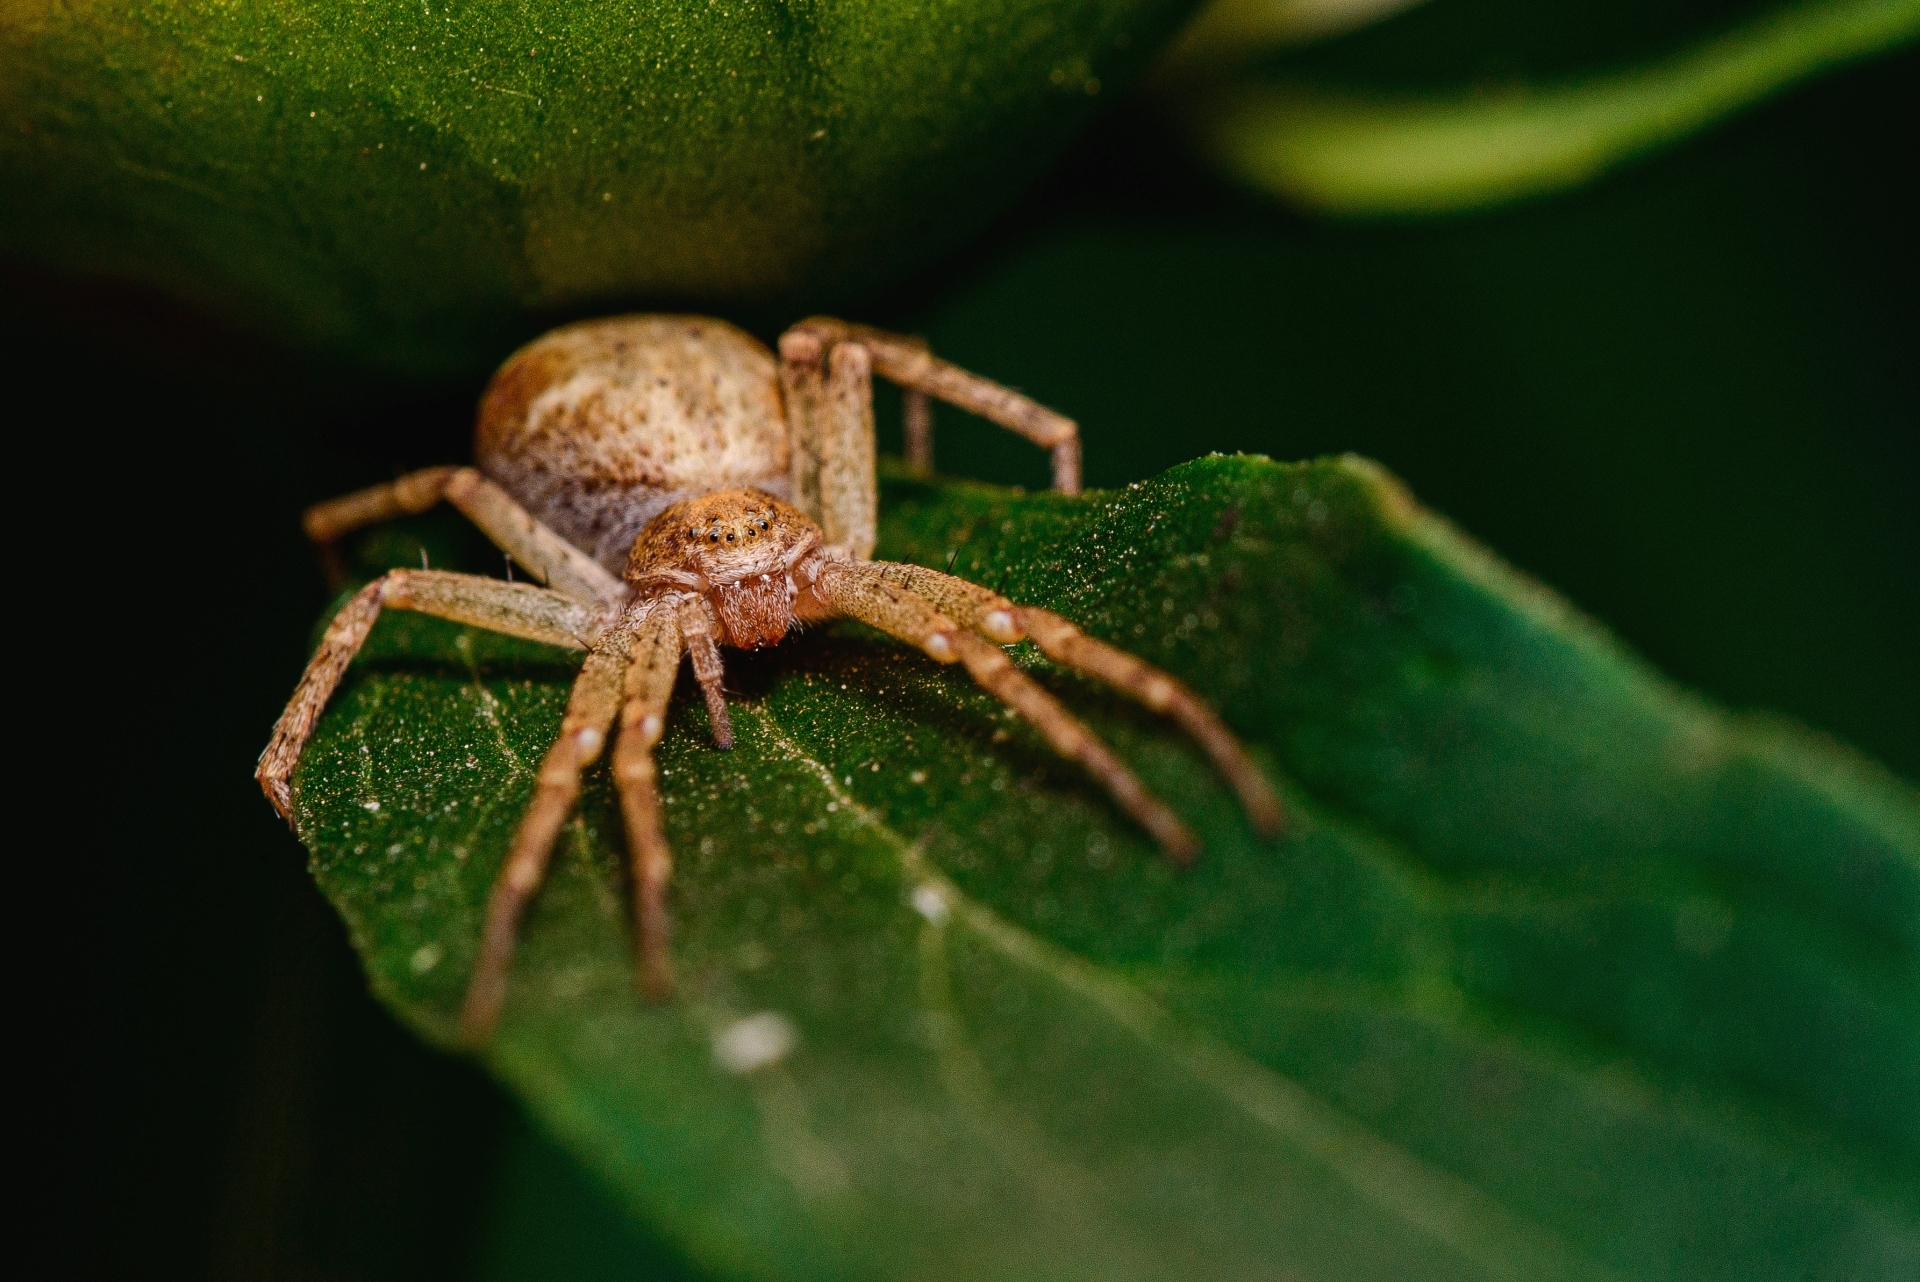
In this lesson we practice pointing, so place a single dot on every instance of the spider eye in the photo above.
(714, 537)
(763, 525)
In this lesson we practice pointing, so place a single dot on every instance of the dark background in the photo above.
(1687, 397)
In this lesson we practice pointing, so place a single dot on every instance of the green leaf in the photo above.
(1557, 973)
(1228, 32)
(414, 183)
(1359, 153)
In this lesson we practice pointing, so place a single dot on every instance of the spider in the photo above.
(676, 487)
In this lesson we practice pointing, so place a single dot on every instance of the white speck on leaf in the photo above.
(424, 958)
(754, 1042)
(930, 903)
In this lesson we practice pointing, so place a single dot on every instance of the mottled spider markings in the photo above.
(675, 488)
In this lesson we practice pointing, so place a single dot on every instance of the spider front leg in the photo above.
(995, 617)
(546, 556)
(516, 609)
(863, 592)
(596, 698)
(655, 663)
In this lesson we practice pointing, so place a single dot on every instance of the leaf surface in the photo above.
(1557, 972)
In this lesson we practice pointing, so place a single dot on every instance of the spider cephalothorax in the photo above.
(635, 467)
(740, 548)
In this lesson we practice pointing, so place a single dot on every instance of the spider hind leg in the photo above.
(550, 559)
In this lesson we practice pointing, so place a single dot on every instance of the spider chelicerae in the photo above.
(677, 487)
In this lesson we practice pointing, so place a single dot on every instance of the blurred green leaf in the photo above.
(411, 183)
(1232, 31)
(1557, 973)
(1355, 151)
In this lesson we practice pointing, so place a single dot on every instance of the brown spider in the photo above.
(677, 488)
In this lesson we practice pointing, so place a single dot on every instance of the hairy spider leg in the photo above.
(700, 627)
(803, 387)
(849, 479)
(591, 708)
(830, 418)
(908, 362)
(998, 619)
(655, 663)
(829, 397)
(863, 592)
(916, 429)
(547, 557)
(916, 405)
(517, 609)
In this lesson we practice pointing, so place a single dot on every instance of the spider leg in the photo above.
(550, 559)
(907, 361)
(698, 626)
(849, 483)
(916, 429)
(995, 617)
(583, 732)
(864, 592)
(830, 404)
(655, 655)
(517, 609)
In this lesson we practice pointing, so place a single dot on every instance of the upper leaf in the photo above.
(410, 182)
(1557, 972)
(1459, 123)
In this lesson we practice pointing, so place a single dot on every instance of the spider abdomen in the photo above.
(598, 427)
